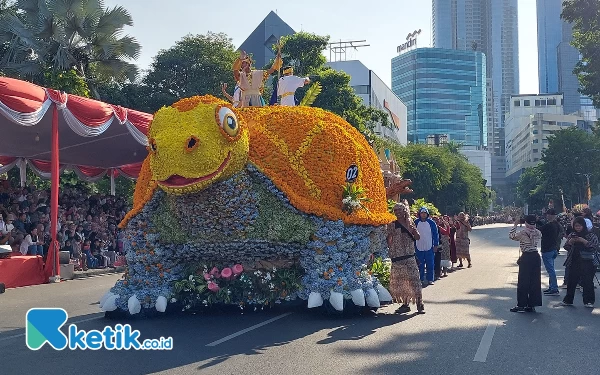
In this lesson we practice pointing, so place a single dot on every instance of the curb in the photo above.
(97, 272)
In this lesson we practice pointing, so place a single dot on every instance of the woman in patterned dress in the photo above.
(462, 239)
(445, 244)
(405, 283)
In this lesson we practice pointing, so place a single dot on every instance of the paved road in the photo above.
(467, 330)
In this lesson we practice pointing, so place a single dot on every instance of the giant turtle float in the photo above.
(245, 206)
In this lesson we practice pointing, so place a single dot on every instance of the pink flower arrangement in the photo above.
(215, 273)
(226, 273)
(207, 277)
(213, 287)
(237, 269)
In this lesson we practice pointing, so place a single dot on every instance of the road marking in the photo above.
(75, 322)
(486, 342)
(239, 333)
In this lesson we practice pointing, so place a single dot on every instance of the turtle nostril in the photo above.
(192, 143)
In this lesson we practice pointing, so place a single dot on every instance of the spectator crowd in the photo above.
(87, 224)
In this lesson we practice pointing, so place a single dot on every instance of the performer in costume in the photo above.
(236, 99)
(252, 80)
(287, 86)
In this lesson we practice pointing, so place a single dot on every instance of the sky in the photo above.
(158, 24)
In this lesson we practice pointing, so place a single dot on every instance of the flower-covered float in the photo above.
(252, 207)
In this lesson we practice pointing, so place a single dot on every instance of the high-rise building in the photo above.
(445, 93)
(489, 26)
(557, 59)
(259, 43)
(549, 29)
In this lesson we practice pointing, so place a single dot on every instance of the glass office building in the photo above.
(445, 93)
(549, 29)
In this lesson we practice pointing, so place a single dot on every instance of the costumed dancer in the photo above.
(287, 86)
(444, 228)
(529, 286)
(463, 227)
(236, 99)
(405, 283)
(252, 81)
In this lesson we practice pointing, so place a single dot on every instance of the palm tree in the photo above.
(62, 35)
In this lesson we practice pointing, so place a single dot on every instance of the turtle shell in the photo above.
(307, 153)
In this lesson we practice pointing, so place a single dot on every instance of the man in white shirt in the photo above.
(287, 86)
(425, 245)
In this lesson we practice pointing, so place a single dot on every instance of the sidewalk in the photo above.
(97, 272)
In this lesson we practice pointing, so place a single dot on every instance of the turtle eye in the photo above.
(228, 122)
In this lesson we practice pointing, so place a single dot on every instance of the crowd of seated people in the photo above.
(87, 224)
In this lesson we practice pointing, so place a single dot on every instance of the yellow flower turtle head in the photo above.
(195, 143)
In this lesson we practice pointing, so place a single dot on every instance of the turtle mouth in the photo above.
(176, 181)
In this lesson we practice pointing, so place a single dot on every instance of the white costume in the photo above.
(237, 97)
(286, 87)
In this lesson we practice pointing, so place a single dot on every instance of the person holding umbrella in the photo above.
(529, 286)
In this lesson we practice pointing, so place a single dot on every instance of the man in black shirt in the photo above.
(551, 241)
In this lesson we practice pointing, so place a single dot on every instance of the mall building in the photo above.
(375, 93)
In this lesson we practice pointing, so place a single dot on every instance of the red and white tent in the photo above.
(51, 131)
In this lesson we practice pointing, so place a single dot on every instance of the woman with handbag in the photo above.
(581, 245)
(529, 286)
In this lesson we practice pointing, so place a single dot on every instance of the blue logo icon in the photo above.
(43, 326)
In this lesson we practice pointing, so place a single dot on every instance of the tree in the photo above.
(532, 187)
(65, 35)
(304, 51)
(442, 176)
(195, 65)
(571, 152)
(584, 15)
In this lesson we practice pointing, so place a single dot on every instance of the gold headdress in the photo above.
(288, 70)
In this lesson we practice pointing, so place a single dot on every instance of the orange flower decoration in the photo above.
(306, 152)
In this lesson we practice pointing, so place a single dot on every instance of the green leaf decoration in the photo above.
(311, 95)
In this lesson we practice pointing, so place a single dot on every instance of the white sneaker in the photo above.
(563, 303)
(589, 305)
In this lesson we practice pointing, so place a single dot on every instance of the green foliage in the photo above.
(532, 187)
(570, 153)
(419, 203)
(390, 205)
(441, 175)
(381, 269)
(303, 51)
(278, 223)
(67, 81)
(354, 197)
(168, 226)
(584, 15)
(195, 65)
(61, 35)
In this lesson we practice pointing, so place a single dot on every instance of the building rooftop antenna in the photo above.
(338, 51)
